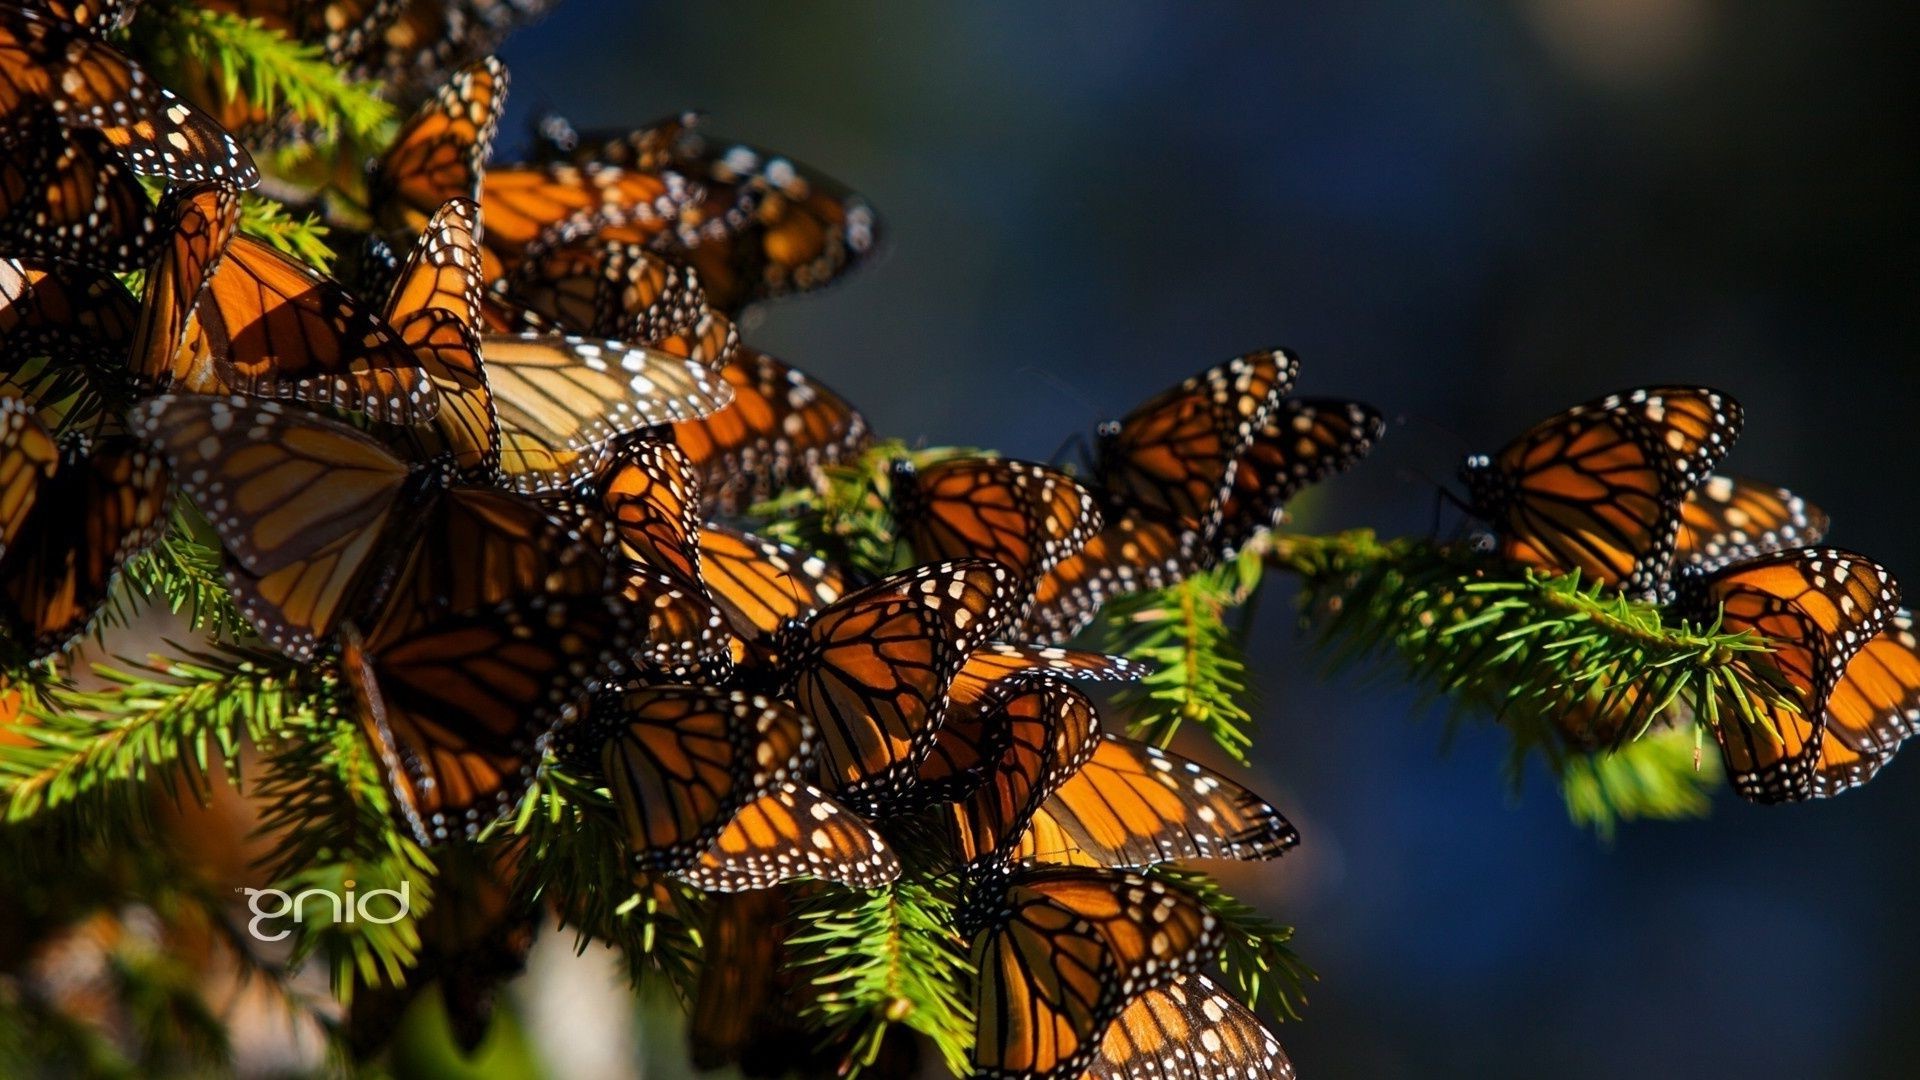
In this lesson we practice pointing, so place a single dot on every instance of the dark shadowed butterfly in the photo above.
(1727, 519)
(48, 62)
(1816, 608)
(68, 196)
(428, 36)
(228, 313)
(1061, 953)
(97, 17)
(1304, 441)
(1134, 805)
(607, 290)
(1599, 489)
(1024, 516)
(441, 152)
(1031, 737)
(66, 311)
(794, 831)
(71, 514)
(1189, 1029)
(872, 669)
(681, 761)
(784, 425)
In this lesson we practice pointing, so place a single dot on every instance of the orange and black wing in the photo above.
(783, 426)
(277, 328)
(1875, 708)
(1132, 554)
(28, 457)
(441, 152)
(1304, 441)
(76, 202)
(532, 207)
(681, 634)
(606, 290)
(435, 310)
(1136, 805)
(1598, 489)
(200, 221)
(681, 762)
(1727, 519)
(1062, 955)
(65, 312)
(1189, 1029)
(303, 506)
(1017, 753)
(653, 500)
(1816, 608)
(793, 832)
(1173, 458)
(101, 505)
(873, 669)
(989, 667)
(562, 401)
(88, 84)
(1024, 516)
(762, 585)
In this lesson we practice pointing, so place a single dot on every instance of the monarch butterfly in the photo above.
(791, 832)
(782, 428)
(534, 412)
(73, 515)
(1135, 805)
(429, 35)
(745, 1004)
(607, 290)
(1816, 607)
(762, 225)
(1727, 519)
(1062, 952)
(46, 61)
(1036, 735)
(68, 196)
(531, 207)
(1173, 457)
(64, 310)
(96, 17)
(1304, 441)
(981, 730)
(681, 761)
(872, 669)
(1599, 489)
(685, 634)
(762, 586)
(1875, 707)
(441, 152)
(268, 325)
(1025, 516)
(1131, 554)
(1189, 1029)
(653, 498)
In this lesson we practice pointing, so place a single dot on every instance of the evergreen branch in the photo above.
(575, 856)
(334, 829)
(1255, 956)
(186, 575)
(303, 237)
(1661, 775)
(881, 958)
(166, 723)
(1198, 673)
(276, 75)
(1571, 669)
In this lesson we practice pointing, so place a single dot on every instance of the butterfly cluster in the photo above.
(1623, 491)
(488, 478)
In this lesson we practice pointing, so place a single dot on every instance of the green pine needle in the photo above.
(881, 958)
(1256, 956)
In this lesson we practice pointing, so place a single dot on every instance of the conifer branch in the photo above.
(886, 957)
(185, 574)
(1256, 956)
(1198, 671)
(845, 517)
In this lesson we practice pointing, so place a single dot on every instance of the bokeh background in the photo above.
(1471, 214)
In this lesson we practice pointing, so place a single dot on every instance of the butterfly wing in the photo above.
(1023, 515)
(435, 310)
(653, 498)
(1174, 456)
(792, 832)
(200, 221)
(441, 152)
(681, 761)
(1067, 950)
(1598, 489)
(98, 508)
(1189, 1029)
(1134, 805)
(81, 204)
(761, 585)
(783, 426)
(28, 457)
(1035, 736)
(68, 312)
(1132, 554)
(1304, 441)
(1874, 707)
(561, 401)
(1727, 520)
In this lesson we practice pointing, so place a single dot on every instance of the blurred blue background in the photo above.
(1471, 215)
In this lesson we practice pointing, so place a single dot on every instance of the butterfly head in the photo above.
(1487, 487)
